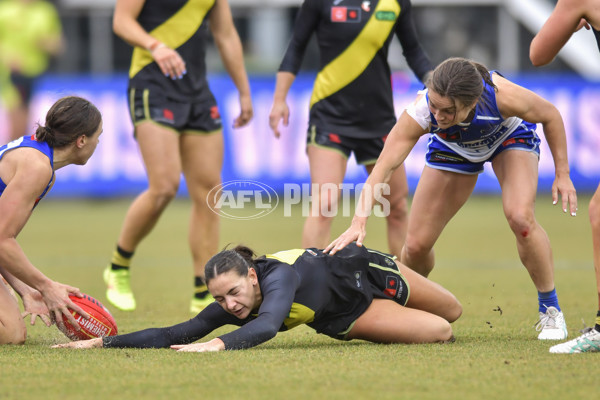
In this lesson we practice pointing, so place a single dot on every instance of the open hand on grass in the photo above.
(214, 345)
(80, 344)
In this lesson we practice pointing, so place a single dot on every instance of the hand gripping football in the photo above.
(101, 322)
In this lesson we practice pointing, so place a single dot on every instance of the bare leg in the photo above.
(398, 217)
(386, 321)
(594, 211)
(439, 196)
(160, 151)
(518, 174)
(430, 296)
(202, 157)
(326, 167)
(18, 121)
(12, 326)
(425, 319)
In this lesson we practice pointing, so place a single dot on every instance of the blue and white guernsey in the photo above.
(29, 141)
(476, 140)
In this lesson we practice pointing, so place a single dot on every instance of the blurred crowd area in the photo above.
(484, 30)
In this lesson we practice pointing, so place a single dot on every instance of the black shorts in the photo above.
(147, 105)
(366, 151)
(24, 85)
(357, 276)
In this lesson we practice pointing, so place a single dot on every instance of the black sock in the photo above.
(121, 259)
(200, 289)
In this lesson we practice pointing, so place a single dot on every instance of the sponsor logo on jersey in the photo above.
(510, 141)
(357, 276)
(391, 286)
(400, 289)
(335, 138)
(312, 253)
(163, 115)
(385, 15)
(442, 157)
(366, 6)
(214, 112)
(345, 14)
(168, 114)
(448, 136)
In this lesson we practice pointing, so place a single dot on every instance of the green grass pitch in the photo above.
(496, 354)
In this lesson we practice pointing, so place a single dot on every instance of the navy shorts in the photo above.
(147, 105)
(440, 156)
(366, 151)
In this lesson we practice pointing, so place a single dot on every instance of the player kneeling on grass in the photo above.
(357, 294)
(27, 165)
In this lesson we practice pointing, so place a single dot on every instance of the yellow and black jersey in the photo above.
(181, 25)
(301, 286)
(352, 94)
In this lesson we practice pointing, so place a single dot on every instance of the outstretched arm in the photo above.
(402, 138)
(196, 328)
(230, 47)
(278, 290)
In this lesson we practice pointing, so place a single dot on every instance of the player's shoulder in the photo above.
(31, 160)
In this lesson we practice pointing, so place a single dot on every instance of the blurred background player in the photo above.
(568, 17)
(30, 34)
(177, 124)
(70, 136)
(474, 116)
(358, 294)
(351, 109)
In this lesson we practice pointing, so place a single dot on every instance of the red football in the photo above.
(101, 322)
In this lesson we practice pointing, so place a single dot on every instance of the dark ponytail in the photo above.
(67, 119)
(238, 259)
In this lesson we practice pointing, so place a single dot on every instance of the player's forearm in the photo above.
(554, 131)
(132, 32)
(558, 147)
(15, 262)
(283, 84)
(232, 55)
(19, 286)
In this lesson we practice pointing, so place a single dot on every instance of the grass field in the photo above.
(496, 354)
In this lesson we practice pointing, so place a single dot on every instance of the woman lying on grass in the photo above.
(356, 294)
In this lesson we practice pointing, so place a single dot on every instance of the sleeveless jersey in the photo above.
(475, 140)
(352, 94)
(181, 25)
(29, 141)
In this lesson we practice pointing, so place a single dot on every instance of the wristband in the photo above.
(155, 45)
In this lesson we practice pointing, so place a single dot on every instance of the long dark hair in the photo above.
(238, 259)
(67, 119)
(459, 79)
